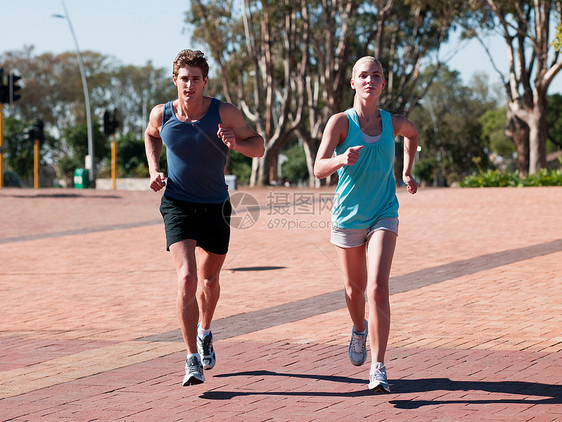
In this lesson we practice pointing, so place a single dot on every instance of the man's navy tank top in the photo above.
(196, 156)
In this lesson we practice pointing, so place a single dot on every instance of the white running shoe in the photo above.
(193, 372)
(377, 378)
(206, 350)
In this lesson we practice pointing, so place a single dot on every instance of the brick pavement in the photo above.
(88, 328)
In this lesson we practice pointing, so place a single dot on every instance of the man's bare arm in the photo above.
(153, 147)
(237, 134)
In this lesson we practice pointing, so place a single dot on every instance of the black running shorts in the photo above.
(208, 224)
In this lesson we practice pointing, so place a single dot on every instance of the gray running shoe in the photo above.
(358, 347)
(377, 378)
(193, 372)
(205, 349)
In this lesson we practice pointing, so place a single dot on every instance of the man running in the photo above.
(198, 131)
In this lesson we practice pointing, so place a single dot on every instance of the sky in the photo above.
(138, 31)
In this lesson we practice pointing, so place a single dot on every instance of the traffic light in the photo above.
(107, 123)
(35, 132)
(4, 97)
(110, 123)
(13, 87)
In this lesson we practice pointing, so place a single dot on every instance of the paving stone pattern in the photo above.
(89, 331)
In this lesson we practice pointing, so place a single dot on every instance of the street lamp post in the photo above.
(86, 95)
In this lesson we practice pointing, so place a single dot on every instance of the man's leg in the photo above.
(183, 253)
(209, 270)
(210, 265)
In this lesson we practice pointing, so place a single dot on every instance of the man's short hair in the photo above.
(193, 58)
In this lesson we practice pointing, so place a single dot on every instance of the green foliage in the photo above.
(557, 43)
(294, 169)
(66, 166)
(76, 138)
(292, 60)
(544, 177)
(426, 169)
(74, 148)
(240, 166)
(493, 129)
(131, 156)
(554, 122)
(464, 123)
(525, 31)
(495, 178)
(18, 148)
(450, 132)
(491, 178)
(52, 90)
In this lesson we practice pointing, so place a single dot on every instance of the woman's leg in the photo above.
(380, 251)
(354, 266)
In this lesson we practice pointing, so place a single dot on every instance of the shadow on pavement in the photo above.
(263, 373)
(255, 268)
(228, 395)
(65, 195)
(552, 393)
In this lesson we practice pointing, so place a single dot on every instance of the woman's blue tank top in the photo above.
(366, 191)
(196, 156)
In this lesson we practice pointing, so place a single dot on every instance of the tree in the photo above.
(493, 129)
(286, 63)
(525, 28)
(240, 166)
(131, 156)
(75, 148)
(52, 90)
(331, 27)
(294, 169)
(261, 63)
(51, 86)
(344, 31)
(18, 147)
(133, 91)
(450, 129)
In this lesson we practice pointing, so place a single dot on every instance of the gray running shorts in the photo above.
(351, 238)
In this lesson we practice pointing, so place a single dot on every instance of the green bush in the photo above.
(495, 178)
(426, 169)
(294, 169)
(544, 177)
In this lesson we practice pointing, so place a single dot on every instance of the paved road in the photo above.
(89, 331)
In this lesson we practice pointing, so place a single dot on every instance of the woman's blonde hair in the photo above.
(363, 60)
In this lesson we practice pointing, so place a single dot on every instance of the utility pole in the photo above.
(86, 97)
